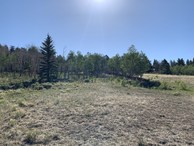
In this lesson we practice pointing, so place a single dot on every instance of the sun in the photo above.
(100, 5)
(99, 1)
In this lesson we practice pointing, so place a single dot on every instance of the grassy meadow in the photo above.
(99, 112)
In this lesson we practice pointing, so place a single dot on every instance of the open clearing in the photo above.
(100, 113)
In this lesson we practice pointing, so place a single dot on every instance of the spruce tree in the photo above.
(48, 68)
(165, 67)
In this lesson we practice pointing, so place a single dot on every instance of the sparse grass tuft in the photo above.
(18, 114)
(177, 94)
(31, 137)
(2, 100)
(12, 122)
(22, 104)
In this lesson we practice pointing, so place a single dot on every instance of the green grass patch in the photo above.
(175, 85)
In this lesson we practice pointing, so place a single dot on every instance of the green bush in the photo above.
(124, 82)
(17, 86)
(135, 83)
(27, 84)
(4, 87)
(149, 84)
(118, 80)
(47, 85)
(140, 82)
(86, 81)
(165, 86)
(37, 86)
(181, 85)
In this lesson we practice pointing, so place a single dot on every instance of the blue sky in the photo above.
(159, 28)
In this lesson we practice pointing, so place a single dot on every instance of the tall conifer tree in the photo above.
(48, 68)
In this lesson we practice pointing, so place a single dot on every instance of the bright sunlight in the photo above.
(103, 3)
(99, 1)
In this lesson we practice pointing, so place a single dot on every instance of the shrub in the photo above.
(135, 83)
(177, 94)
(165, 86)
(47, 85)
(86, 80)
(149, 84)
(12, 122)
(124, 82)
(118, 79)
(26, 84)
(37, 86)
(34, 81)
(31, 137)
(19, 114)
(183, 86)
(17, 86)
(21, 104)
(5, 87)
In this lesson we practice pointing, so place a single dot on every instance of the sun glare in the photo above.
(102, 5)
(99, 1)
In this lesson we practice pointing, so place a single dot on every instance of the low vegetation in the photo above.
(173, 82)
(99, 111)
(93, 99)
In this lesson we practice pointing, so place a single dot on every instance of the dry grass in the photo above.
(171, 78)
(100, 113)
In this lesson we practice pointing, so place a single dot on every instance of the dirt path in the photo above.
(102, 114)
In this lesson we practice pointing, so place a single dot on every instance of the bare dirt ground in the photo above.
(96, 114)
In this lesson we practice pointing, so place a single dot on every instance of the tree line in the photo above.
(43, 63)
(175, 67)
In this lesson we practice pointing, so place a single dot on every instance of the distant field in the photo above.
(171, 78)
(98, 113)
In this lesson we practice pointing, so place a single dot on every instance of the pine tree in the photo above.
(156, 66)
(165, 67)
(48, 68)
